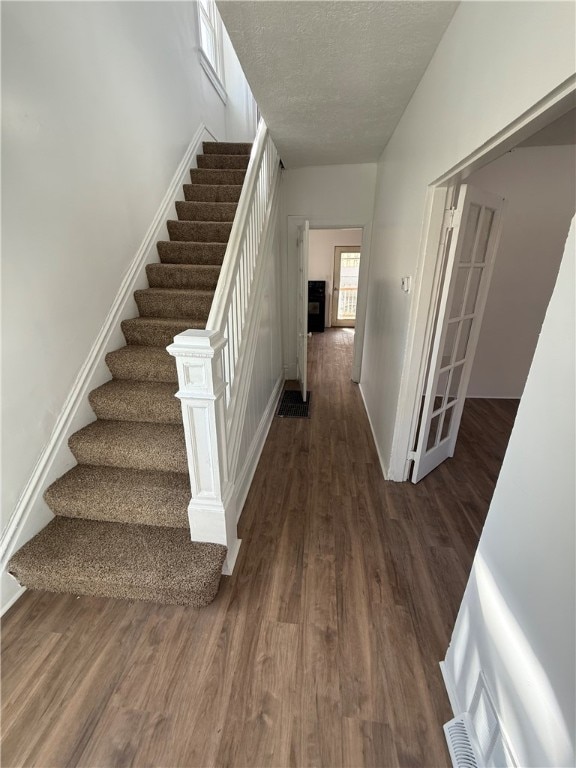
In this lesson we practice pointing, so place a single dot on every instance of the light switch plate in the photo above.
(406, 283)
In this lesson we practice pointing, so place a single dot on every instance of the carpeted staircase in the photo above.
(121, 525)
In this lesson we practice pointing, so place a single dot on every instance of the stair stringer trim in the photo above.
(32, 514)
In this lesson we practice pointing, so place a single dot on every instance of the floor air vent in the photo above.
(459, 736)
(292, 406)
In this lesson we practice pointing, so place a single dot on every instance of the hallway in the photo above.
(321, 650)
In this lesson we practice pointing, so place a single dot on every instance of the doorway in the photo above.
(334, 261)
(537, 180)
(324, 238)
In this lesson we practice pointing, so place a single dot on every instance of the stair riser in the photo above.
(147, 455)
(119, 591)
(116, 495)
(184, 276)
(118, 514)
(120, 561)
(226, 148)
(191, 253)
(199, 231)
(155, 336)
(162, 409)
(153, 371)
(223, 162)
(212, 193)
(208, 176)
(190, 211)
(179, 305)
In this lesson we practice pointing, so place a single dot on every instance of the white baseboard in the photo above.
(246, 475)
(493, 397)
(380, 459)
(450, 689)
(31, 513)
(231, 557)
(11, 592)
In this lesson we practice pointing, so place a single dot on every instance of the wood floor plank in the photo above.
(316, 737)
(262, 702)
(321, 650)
(115, 740)
(368, 744)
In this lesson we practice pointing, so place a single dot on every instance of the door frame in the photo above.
(340, 249)
(302, 312)
(441, 196)
(293, 222)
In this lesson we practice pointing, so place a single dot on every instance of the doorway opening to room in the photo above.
(502, 235)
(332, 259)
(334, 266)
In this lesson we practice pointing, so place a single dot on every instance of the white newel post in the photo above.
(201, 391)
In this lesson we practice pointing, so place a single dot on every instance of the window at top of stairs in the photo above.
(211, 49)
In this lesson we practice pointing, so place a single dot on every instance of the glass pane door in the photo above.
(472, 250)
(345, 294)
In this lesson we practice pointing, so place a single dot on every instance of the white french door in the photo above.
(302, 318)
(476, 231)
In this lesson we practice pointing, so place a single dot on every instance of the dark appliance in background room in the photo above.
(316, 305)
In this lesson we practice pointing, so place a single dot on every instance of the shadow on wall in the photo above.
(520, 689)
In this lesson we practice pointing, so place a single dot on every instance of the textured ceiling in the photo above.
(333, 78)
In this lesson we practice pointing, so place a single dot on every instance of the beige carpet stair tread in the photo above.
(140, 363)
(191, 211)
(174, 302)
(157, 331)
(132, 562)
(121, 496)
(131, 445)
(223, 162)
(148, 401)
(173, 252)
(226, 148)
(212, 176)
(200, 231)
(212, 193)
(193, 276)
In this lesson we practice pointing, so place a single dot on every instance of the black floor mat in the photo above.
(292, 406)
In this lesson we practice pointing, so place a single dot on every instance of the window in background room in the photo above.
(211, 54)
(346, 273)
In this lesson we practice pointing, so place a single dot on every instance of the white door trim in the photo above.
(440, 195)
(302, 314)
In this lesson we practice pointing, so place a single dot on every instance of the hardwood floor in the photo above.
(321, 650)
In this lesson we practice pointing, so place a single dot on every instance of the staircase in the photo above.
(121, 527)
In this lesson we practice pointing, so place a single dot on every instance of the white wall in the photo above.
(495, 61)
(539, 185)
(517, 619)
(321, 257)
(329, 196)
(241, 117)
(100, 102)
